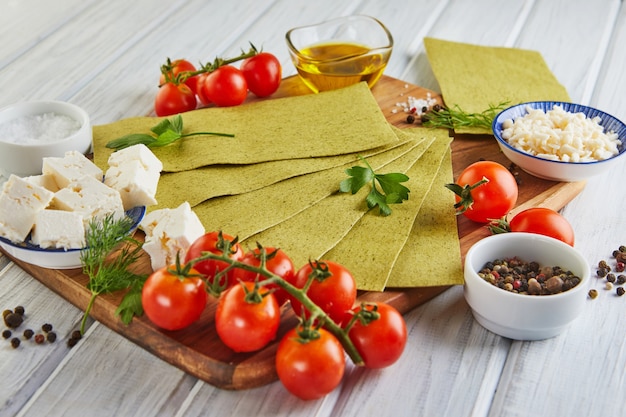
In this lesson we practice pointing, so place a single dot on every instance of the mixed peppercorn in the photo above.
(613, 274)
(522, 277)
(13, 319)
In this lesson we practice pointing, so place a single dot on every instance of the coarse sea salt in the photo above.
(38, 128)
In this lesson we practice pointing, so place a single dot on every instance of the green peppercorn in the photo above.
(593, 294)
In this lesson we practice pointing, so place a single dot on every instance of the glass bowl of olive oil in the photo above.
(340, 52)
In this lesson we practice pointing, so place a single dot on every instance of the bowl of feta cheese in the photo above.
(32, 130)
(560, 141)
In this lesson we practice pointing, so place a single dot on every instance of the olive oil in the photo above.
(330, 66)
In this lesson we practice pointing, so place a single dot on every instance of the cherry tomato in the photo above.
(226, 86)
(173, 302)
(493, 199)
(543, 221)
(333, 289)
(173, 99)
(214, 242)
(178, 66)
(310, 369)
(263, 74)
(245, 326)
(381, 341)
(200, 91)
(277, 262)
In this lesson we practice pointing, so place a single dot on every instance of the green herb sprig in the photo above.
(165, 132)
(454, 117)
(107, 273)
(393, 192)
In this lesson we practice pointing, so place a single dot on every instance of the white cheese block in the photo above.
(73, 166)
(59, 229)
(168, 232)
(20, 201)
(89, 197)
(46, 181)
(139, 152)
(136, 185)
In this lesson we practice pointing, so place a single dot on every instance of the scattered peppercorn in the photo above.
(6, 334)
(19, 310)
(46, 327)
(608, 286)
(620, 291)
(6, 312)
(51, 337)
(13, 320)
(74, 338)
(28, 333)
(611, 277)
(593, 294)
(410, 119)
(39, 338)
(601, 272)
(621, 279)
(15, 343)
(620, 266)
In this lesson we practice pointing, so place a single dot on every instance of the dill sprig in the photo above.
(454, 117)
(109, 272)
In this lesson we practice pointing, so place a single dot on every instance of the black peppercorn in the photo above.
(28, 333)
(46, 327)
(6, 334)
(19, 310)
(51, 337)
(410, 119)
(15, 343)
(13, 320)
(620, 291)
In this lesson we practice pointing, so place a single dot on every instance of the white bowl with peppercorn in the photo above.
(525, 286)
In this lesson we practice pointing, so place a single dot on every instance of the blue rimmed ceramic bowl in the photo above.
(57, 258)
(558, 170)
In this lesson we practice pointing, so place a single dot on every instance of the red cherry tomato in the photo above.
(263, 74)
(310, 369)
(245, 326)
(178, 66)
(277, 262)
(204, 100)
(380, 342)
(173, 99)
(214, 242)
(543, 221)
(333, 289)
(492, 199)
(226, 86)
(173, 302)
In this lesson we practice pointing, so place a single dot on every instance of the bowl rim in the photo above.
(23, 106)
(497, 123)
(585, 275)
(295, 51)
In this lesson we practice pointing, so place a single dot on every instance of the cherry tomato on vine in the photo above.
(333, 288)
(311, 368)
(214, 242)
(263, 74)
(277, 262)
(226, 86)
(380, 342)
(173, 99)
(483, 202)
(543, 221)
(172, 301)
(204, 100)
(178, 66)
(246, 326)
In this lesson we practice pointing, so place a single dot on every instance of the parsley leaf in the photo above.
(393, 192)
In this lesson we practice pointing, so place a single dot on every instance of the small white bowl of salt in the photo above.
(32, 130)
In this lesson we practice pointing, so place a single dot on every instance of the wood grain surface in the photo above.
(197, 349)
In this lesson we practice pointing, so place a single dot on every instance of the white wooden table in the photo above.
(105, 56)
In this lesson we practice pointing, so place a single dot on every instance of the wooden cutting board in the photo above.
(198, 350)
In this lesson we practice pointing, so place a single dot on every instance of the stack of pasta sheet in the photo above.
(276, 182)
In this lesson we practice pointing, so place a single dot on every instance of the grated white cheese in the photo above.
(559, 135)
(415, 105)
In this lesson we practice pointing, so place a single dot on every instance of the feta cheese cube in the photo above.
(135, 173)
(46, 181)
(59, 229)
(20, 201)
(168, 232)
(89, 197)
(72, 166)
